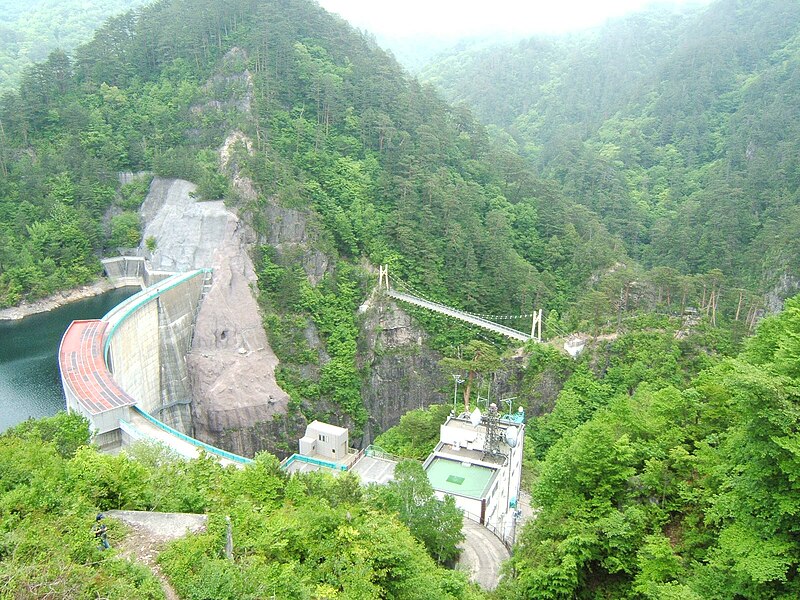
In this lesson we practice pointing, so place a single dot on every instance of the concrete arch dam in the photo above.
(127, 372)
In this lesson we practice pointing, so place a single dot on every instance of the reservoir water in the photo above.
(29, 381)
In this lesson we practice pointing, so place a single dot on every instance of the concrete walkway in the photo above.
(165, 526)
(150, 532)
(481, 555)
(140, 428)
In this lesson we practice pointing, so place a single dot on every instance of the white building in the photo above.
(478, 461)
(324, 441)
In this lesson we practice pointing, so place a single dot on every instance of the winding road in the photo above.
(482, 553)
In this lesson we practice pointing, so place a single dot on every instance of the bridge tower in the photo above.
(536, 325)
(383, 277)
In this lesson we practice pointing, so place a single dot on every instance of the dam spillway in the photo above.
(127, 374)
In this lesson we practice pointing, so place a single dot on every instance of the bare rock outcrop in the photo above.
(231, 365)
(787, 286)
(404, 373)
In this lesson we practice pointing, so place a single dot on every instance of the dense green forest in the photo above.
(393, 173)
(667, 469)
(309, 536)
(627, 176)
(678, 128)
(389, 172)
(30, 30)
(651, 487)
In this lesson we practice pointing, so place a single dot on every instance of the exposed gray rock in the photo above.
(187, 233)
(787, 286)
(403, 373)
(231, 365)
(294, 232)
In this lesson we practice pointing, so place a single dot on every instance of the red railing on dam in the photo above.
(92, 390)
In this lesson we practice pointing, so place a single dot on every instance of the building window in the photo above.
(323, 438)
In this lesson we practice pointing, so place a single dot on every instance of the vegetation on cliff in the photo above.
(653, 485)
(385, 170)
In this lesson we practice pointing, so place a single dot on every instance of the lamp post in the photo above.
(456, 380)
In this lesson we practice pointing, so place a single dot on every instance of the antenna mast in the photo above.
(492, 445)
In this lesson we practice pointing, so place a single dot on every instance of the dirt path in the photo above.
(149, 533)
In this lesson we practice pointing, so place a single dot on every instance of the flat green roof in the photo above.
(454, 477)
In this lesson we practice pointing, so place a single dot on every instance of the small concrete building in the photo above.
(325, 441)
(324, 448)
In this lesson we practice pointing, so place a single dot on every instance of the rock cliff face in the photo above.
(403, 373)
(231, 365)
(786, 287)
(187, 233)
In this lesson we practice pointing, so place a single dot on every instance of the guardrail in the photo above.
(378, 452)
(190, 440)
(312, 461)
(494, 530)
(117, 315)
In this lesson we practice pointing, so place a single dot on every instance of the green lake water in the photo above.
(30, 385)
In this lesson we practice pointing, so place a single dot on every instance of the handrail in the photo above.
(355, 457)
(377, 452)
(492, 529)
(132, 304)
(197, 443)
(312, 461)
(458, 314)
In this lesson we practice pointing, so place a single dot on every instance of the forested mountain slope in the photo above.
(678, 129)
(30, 30)
(653, 487)
(332, 132)
(393, 172)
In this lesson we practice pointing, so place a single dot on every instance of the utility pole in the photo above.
(456, 380)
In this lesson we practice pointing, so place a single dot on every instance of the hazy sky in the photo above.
(456, 18)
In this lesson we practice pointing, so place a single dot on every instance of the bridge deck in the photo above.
(457, 314)
(83, 368)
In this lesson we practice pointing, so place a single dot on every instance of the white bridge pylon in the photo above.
(536, 323)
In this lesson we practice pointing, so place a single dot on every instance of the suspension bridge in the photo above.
(405, 293)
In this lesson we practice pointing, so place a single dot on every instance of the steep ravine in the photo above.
(399, 371)
(402, 372)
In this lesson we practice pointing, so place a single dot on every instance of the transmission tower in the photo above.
(493, 435)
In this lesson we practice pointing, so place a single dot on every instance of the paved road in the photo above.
(481, 555)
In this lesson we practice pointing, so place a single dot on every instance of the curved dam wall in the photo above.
(147, 340)
(117, 370)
